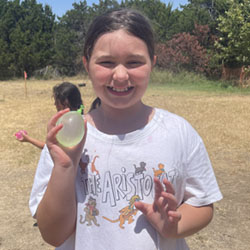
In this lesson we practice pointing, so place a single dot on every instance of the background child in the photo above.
(145, 181)
(66, 95)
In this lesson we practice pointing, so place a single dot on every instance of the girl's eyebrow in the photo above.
(137, 56)
(103, 57)
(132, 56)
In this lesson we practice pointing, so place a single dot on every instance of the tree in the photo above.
(192, 13)
(185, 51)
(103, 6)
(66, 51)
(162, 16)
(26, 36)
(202, 12)
(213, 7)
(234, 40)
(70, 34)
(9, 15)
(5, 59)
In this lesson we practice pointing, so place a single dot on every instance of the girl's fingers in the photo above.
(171, 200)
(160, 203)
(52, 128)
(158, 188)
(51, 136)
(174, 216)
(54, 119)
(143, 207)
(168, 186)
(164, 199)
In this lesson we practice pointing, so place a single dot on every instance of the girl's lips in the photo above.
(120, 91)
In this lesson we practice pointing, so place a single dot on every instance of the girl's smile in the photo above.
(120, 91)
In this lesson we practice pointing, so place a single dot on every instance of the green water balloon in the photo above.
(72, 131)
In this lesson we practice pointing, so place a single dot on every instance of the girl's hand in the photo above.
(24, 138)
(63, 156)
(162, 213)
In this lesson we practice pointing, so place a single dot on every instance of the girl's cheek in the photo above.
(101, 74)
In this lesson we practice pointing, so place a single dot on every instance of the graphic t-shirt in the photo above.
(117, 170)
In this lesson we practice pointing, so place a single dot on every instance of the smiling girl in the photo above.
(145, 180)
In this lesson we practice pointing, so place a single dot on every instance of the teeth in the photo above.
(120, 90)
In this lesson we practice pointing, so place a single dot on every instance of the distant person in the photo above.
(66, 95)
(148, 182)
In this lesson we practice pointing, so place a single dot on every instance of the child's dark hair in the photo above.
(130, 20)
(68, 93)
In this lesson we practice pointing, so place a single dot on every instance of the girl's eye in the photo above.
(134, 64)
(106, 64)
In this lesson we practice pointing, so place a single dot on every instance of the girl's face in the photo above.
(59, 105)
(119, 69)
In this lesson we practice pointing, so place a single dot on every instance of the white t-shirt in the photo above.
(116, 170)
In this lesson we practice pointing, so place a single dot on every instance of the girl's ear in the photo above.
(85, 63)
(154, 61)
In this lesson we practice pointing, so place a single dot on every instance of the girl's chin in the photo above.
(120, 104)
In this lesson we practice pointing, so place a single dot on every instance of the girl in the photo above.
(145, 181)
(66, 95)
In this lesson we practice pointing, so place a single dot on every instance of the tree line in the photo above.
(200, 36)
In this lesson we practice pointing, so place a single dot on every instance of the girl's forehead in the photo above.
(116, 35)
(119, 41)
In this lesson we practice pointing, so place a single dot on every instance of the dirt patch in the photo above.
(222, 121)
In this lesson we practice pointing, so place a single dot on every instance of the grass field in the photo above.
(221, 116)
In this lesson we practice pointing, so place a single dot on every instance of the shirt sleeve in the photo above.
(201, 187)
(41, 179)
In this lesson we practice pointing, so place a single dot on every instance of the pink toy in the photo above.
(19, 135)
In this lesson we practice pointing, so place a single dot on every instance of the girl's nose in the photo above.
(120, 73)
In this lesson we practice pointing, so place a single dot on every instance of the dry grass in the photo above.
(222, 121)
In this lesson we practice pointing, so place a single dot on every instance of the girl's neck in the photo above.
(121, 121)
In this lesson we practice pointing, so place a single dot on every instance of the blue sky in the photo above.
(59, 7)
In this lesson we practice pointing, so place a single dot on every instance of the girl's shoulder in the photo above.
(173, 122)
(167, 117)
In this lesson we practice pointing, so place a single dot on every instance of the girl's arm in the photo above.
(56, 213)
(193, 219)
(35, 142)
(170, 221)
